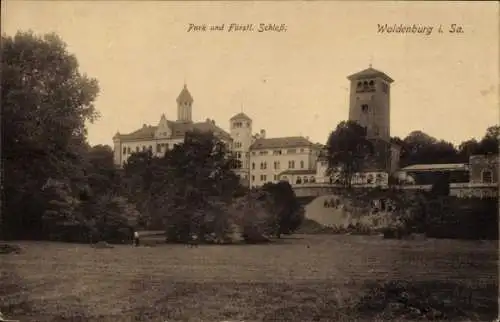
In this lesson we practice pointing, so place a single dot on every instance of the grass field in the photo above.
(302, 278)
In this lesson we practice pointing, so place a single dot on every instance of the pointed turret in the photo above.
(184, 105)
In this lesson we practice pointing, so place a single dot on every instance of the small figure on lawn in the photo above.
(136, 238)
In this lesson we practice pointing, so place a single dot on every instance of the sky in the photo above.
(290, 83)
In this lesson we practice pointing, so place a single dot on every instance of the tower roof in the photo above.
(241, 116)
(369, 73)
(184, 95)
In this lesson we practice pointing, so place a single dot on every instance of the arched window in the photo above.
(312, 180)
(487, 176)
(299, 180)
(359, 84)
(306, 180)
(372, 83)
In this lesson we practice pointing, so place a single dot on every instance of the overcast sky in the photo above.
(290, 83)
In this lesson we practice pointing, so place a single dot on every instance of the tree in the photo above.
(421, 148)
(45, 103)
(347, 150)
(285, 206)
(186, 190)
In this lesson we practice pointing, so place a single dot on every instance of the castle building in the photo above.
(284, 158)
(162, 137)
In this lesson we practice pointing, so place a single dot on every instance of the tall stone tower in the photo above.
(370, 102)
(184, 106)
(369, 106)
(241, 133)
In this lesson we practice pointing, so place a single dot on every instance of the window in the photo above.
(143, 148)
(385, 88)
(291, 164)
(306, 180)
(128, 150)
(124, 150)
(364, 108)
(487, 176)
(253, 165)
(237, 145)
(276, 165)
(312, 180)
(299, 180)
(301, 164)
(158, 148)
(136, 149)
(263, 177)
(253, 178)
(275, 177)
(150, 148)
(301, 150)
(277, 152)
(360, 84)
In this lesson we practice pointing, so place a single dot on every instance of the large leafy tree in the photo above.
(188, 188)
(419, 147)
(348, 150)
(45, 104)
(286, 207)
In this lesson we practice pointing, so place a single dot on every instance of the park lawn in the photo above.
(301, 278)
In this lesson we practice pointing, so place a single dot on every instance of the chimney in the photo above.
(263, 134)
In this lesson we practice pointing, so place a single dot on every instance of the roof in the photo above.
(184, 95)
(241, 116)
(284, 142)
(369, 73)
(297, 172)
(437, 167)
(147, 132)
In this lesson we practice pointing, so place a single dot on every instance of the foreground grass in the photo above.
(307, 278)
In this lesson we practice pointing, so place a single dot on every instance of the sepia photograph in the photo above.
(246, 161)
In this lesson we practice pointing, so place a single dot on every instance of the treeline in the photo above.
(57, 187)
(421, 148)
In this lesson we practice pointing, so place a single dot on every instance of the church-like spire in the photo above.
(184, 105)
(184, 96)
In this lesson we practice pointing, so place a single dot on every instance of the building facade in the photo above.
(162, 137)
(275, 159)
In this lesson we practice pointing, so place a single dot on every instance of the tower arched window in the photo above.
(372, 83)
(359, 84)
(487, 176)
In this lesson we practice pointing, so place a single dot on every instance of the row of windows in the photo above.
(241, 124)
(370, 86)
(159, 148)
(304, 179)
(279, 152)
(277, 165)
(263, 177)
